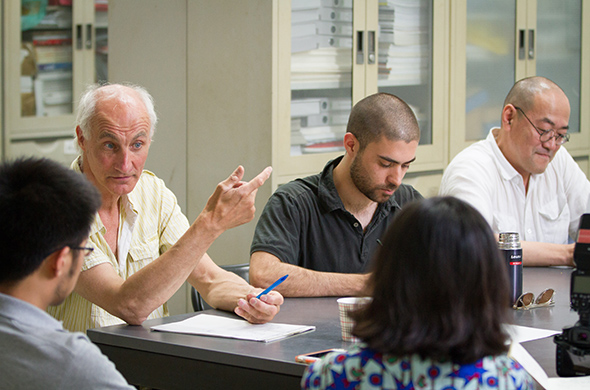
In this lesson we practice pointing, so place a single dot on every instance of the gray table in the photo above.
(175, 361)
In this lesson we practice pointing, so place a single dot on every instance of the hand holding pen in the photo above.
(259, 308)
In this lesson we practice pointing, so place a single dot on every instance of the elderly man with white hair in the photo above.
(144, 247)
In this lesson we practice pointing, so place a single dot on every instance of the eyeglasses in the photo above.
(546, 135)
(528, 301)
(87, 250)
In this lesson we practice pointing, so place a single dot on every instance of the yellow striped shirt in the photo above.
(156, 224)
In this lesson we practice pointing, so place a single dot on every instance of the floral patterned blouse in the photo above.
(363, 368)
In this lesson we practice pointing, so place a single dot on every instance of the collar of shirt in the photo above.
(127, 222)
(21, 311)
(128, 216)
(328, 195)
(506, 169)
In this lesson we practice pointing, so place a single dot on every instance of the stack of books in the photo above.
(321, 41)
(404, 54)
(53, 81)
(318, 125)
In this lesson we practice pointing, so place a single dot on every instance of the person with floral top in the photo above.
(440, 300)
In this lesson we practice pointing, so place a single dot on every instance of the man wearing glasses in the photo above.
(46, 212)
(520, 178)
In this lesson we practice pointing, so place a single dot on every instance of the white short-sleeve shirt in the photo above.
(548, 212)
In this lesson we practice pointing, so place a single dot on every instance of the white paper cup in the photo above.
(345, 306)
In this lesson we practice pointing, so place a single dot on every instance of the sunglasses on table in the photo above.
(528, 301)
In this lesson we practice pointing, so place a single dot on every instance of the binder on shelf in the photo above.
(303, 107)
(303, 44)
(334, 28)
(336, 42)
(337, 104)
(336, 14)
(53, 38)
(305, 4)
(305, 16)
(323, 147)
(54, 93)
(50, 54)
(337, 3)
(54, 66)
(325, 119)
(303, 29)
(311, 106)
(323, 133)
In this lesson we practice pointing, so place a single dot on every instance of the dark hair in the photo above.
(44, 206)
(440, 288)
(382, 114)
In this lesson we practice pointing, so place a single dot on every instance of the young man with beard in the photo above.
(322, 230)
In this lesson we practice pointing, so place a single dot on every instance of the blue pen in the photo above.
(269, 289)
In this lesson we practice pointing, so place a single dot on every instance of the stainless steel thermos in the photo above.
(511, 250)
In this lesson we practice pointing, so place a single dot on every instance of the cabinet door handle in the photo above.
(521, 49)
(371, 47)
(531, 44)
(360, 54)
(89, 36)
(78, 37)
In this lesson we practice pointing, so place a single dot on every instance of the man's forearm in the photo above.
(307, 283)
(547, 254)
(135, 298)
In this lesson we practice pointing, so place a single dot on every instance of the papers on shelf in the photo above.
(318, 125)
(404, 49)
(218, 326)
(327, 63)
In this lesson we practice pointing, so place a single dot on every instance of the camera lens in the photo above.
(583, 336)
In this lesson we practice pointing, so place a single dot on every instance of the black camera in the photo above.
(573, 344)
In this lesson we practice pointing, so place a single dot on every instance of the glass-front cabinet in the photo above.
(52, 50)
(405, 48)
(340, 52)
(499, 42)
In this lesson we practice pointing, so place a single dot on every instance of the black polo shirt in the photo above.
(305, 223)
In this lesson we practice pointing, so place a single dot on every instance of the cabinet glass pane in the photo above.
(405, 57)
(490, 65)
(101, 42)
(321, 74)
(559, 49)
(46, 59)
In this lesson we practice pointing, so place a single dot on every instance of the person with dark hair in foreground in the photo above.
(46, 211)
(440, 299)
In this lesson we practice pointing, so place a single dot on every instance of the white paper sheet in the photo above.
(218, 326)
(521, 334)
(521, 355)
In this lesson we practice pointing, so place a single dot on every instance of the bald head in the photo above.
(524, 93)
(383, 115)
(129, 96)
